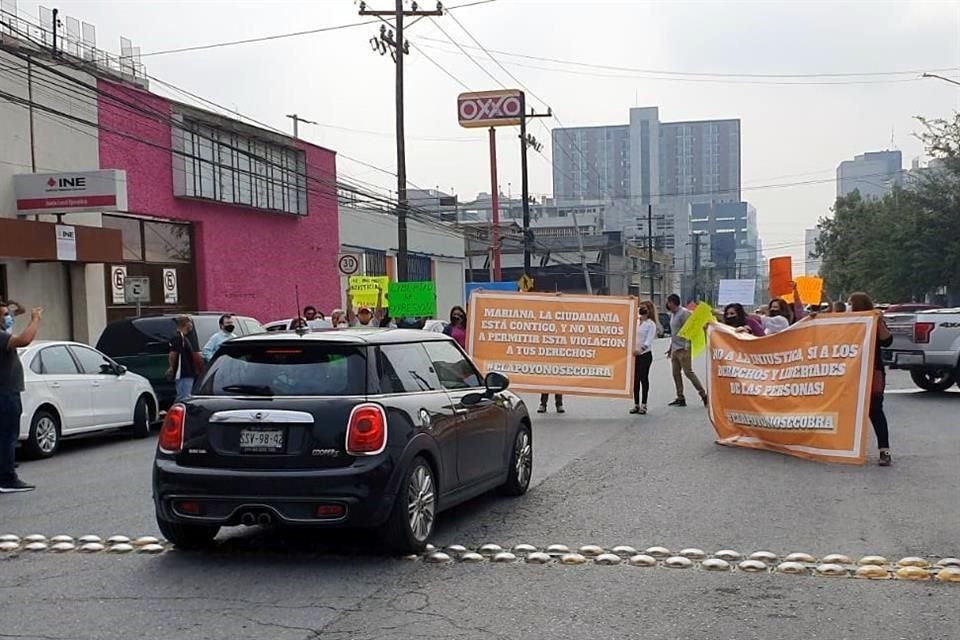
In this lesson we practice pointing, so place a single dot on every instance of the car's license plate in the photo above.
(261, 440)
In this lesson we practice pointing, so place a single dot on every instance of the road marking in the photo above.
(921, 392)
(868, 567)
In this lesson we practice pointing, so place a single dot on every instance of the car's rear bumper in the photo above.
(917, 359)
(366, 490)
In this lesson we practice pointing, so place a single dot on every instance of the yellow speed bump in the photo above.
(872, 572)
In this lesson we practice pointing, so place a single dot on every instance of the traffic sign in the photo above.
(136, 289)
(171, 292)
(349, 263)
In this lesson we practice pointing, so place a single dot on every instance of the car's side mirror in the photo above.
(495, 382)
(472, 399)
(119, 370)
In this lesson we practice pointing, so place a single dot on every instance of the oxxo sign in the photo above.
(490, 108)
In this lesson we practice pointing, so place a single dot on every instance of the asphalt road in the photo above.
(602, 477)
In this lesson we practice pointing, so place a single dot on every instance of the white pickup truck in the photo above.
(927, 344)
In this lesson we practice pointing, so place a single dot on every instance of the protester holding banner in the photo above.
(643, 355)
(680, 353)
(364, 315)
(861, 302)
(735, 316)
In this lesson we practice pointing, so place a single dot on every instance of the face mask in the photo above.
(7, 322)
(228, 328)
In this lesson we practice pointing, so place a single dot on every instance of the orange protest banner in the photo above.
(804, 391)
(574, 345)
(781, 274)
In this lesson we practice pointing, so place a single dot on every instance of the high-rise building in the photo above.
(811, 265)
(649, 161)
(669, 165)
(873, 174)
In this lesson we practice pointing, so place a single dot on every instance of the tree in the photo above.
(906, 245)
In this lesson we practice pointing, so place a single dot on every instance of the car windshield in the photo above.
(264, 369)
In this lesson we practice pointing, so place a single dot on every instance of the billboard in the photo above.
(490, 108)
(71, 191)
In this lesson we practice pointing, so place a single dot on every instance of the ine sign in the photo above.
(76, 191)
(490, 108)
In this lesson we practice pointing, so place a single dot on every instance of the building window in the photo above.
(419, 268)
(150, 241)
(131, 236)
(164, 242)
(375, 262)
(236, 169)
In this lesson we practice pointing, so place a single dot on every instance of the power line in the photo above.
(279, 36)
(699, 73)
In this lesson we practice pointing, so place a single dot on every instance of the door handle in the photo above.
(461, 411)
(95, 384)
(54, 385)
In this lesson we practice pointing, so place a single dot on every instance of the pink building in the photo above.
(221, 215)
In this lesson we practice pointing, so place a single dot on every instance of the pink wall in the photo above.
(248, 261)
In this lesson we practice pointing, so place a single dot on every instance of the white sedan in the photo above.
(73, 389)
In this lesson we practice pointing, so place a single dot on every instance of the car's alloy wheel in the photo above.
(521, 464)
(523, 458)
(44, 437)
(421, 502)
(414, 510)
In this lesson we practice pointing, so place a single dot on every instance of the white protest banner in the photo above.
(742, 291)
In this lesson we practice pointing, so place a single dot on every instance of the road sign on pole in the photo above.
(349, 263)
(136, 290)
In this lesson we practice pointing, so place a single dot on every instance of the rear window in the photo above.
(140, 336)
(286, 370)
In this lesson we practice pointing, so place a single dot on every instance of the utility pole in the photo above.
(583, 256)
(525, 141)
(650, 250)
(398, 48)
(296, 122)
(696, 267)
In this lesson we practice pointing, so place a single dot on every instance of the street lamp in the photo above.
(933, 75)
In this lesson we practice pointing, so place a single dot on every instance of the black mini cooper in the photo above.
(374, 428)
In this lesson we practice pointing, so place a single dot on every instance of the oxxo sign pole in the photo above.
(495, 207)
(491, 109)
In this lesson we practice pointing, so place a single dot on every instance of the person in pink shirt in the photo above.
(457, 329)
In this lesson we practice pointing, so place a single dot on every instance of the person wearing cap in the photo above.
(364, 315)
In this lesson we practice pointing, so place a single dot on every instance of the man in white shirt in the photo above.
(680, 354)
(227, 328)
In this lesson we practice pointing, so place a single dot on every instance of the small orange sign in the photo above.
(781, 273)
(804, 391)
(574, 345)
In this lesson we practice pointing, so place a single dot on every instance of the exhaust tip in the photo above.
(248, 519)
(264, 519)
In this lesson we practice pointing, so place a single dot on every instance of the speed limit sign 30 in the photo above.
(348, 263)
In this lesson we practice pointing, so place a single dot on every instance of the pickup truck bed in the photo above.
(927, 344)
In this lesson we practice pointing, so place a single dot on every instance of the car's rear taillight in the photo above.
(171, 433)
(922, 331)
(367, 430)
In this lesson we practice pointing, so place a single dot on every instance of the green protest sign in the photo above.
(413, 299)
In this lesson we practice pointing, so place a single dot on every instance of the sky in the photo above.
(793, 129)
